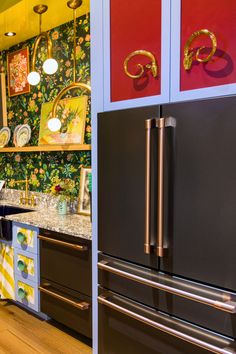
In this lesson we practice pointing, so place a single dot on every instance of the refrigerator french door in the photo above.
(167, 202)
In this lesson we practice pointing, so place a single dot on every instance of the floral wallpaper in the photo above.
(25, 109)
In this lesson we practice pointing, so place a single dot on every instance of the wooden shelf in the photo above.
(45, 148)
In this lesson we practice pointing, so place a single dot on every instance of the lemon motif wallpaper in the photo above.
(26, 109)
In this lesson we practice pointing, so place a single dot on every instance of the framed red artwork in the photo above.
(17, 71)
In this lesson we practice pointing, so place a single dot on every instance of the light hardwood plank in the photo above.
(12, 344)
(37, 334)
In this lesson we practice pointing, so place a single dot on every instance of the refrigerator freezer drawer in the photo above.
(133, 325)
(209, 307)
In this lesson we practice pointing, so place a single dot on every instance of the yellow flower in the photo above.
(55, 35)
(10, 115)
(11, 183)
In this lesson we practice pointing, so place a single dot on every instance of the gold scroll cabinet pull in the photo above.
(153, 66)
(189, 52)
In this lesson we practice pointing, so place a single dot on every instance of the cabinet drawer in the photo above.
(72, 257)
(25, 237)
(26, 265)
(67, 307)
(27, 293)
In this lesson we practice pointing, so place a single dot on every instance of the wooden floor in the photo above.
(22, 333)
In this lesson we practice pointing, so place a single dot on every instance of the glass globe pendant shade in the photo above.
(33, 78)
(54, 124)
(50, 66)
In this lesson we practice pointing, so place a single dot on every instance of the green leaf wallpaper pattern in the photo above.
(26, 108)
(42, 167)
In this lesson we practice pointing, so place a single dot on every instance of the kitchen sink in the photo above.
(6, 225)
(10, 210)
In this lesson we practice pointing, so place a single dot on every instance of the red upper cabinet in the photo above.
(203, 54)
(136, 51)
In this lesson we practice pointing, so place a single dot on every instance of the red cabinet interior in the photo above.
(133, 26)
(218, 17)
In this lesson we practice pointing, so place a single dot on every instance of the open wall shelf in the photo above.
(45, 148)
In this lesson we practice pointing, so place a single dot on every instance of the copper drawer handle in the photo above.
(102, 299)
(227, 306)
(79, 305)
(63, 243)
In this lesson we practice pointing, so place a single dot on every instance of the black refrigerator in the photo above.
(167, 229)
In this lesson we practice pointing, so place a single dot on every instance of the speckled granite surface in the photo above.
(71, 224)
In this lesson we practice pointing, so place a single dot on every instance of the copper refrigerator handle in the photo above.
(160, 187)
(79, 305)
(226, 306)
(149, 124)
(63, 243)
(102, 299)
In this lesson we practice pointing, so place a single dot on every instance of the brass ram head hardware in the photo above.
(189, 53)
(153, 66)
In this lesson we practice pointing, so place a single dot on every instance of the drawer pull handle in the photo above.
(21, 266)
(102, 299)
(189, 52)
(227, 306)
(63, 243)
(79, 305)
(22, 293)
(153, 66)
(21, 238)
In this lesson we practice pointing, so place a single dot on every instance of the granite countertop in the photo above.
(70, 224)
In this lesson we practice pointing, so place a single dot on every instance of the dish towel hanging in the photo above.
(7, 286)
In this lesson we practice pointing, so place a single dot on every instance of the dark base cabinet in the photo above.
(66, 280)
(80, 320)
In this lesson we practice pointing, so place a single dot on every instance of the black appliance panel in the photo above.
(201, 314)
(121, 178)
(65, 265)
(5, 224)
(64, 312)
(200, 232)
(120, 333)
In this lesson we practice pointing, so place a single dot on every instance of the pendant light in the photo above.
(50, 65)
(54, 123)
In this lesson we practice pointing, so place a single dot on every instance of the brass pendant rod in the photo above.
(40, 23)
(74, 68)
(43, 35)
(74, 85)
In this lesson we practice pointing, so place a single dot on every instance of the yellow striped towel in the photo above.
(7, 286)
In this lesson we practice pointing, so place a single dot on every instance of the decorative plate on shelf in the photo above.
(23, 135)
(15, 132)
(5, 135)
